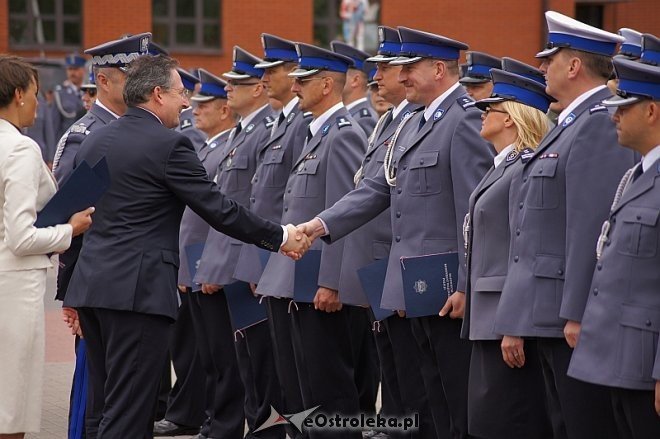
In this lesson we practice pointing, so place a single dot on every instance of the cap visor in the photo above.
(268, 64)
(402, 60)
(85, 86)
(381, 58)
(472, 80)
(616, 101)
(204, 98)
(547, 52)
(235, 75)
(485, 103)
(302, 73)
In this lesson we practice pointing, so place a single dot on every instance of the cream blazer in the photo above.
(26, 185)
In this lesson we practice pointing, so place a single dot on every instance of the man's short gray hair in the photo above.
(145, 74)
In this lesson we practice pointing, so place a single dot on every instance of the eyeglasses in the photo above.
(302, 81)
(90, 91)
(184, 92)
(489, 110)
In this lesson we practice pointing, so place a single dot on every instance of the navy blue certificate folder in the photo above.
(244, 309)
(81, 190)
(306, 278)
(372, 278)
(427, 282)
(193, 255)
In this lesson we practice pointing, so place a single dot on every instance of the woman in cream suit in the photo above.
(26, 185)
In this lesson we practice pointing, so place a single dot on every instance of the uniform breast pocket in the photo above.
(237, 177)
(275, 174)
(637, 342)
(544, 190)
(424, 176)
(306, 182)
(638, 235)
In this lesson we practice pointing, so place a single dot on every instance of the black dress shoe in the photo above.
(168, 428)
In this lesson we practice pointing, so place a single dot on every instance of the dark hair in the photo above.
(15, 74)
(599, 66)
(146, 73)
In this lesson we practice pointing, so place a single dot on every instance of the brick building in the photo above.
(202, 32)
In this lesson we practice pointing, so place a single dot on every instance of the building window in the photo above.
(592, 14)
(187, 24)
(51, 24)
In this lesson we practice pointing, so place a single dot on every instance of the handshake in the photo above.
(301, 237)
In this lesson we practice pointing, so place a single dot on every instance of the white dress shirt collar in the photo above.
(102, 105)
(245, 121)
(499, 158)
(577, 101)
(428, 111)
(317, 123)
(397, 110)
(355, 103)
(288, 108)
(651, 157)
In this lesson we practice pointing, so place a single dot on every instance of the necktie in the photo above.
(277, 123)
(238, 129)
(638, 172)
(388, 119)
(422, 121)
(309, 136)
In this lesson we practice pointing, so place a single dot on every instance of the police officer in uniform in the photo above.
(436, 159)
(187, 125)
(248, 99)
(477, 80)
(43, 131)
(618, 344)
(562, 198)
(321, 175)
(67, 106)
(275, 160)
(355, 90)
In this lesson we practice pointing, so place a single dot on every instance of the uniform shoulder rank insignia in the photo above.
(79, 129)
(597, 108)
(512, 156)
(526, 154)
(269, 121)
(550, 155)
(325, 130)
(58, 87)
(307, 114)
(438, 114)
(249, 128)
(185, 123)
(364, 113)
(275, 147)
(465, 102)
(290, 118)
(569, 120)
(343, 122)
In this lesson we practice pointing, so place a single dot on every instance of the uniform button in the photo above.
(288, 191)
(613, 220)
(648, 323)
(367, 159)
(520, 206)
(517, 232)
(540, 170)
(609, 241)
(516, 259)
(595, 291)
(560, 272)
(255, 180)
(599, 266)
(405, 167)
(639, 217)
(421, 162)
(252, 199)
(397, 239)
(524, 179)
(398, 190)
(286, 209)
(398, 214)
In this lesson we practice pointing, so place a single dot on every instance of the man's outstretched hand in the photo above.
(297, 242)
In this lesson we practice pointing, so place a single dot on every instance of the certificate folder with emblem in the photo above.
(84, 187)
(244, 308)
(193, 255)
(372, 278)
(251, 263)
(306, 278)
(427, 282)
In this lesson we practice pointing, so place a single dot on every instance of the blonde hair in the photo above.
(532, 124)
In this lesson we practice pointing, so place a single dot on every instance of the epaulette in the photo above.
(597, 108)
(185, 123)
(308, 114)
(465, 102)
(58, 87)
(79, 129)
(269, 121)
(526, 154)
(343, 122)
(365, 113)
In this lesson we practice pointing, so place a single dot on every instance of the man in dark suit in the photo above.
(124, 284)
(563, 193)
(618, 344)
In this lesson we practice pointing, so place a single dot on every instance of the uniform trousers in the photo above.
(405, 362)
(578, 410)
(445, 364)
(504, 402)
(215, 342)
(186, 401)
(367, 366)
(262, 388)
(634, 413)
(324, 361)
(390, 394)
(124, 348)
(279, 325)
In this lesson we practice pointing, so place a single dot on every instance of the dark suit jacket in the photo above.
(130, 254)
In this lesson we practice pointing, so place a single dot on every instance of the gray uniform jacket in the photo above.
(69, 143)
(42, 130)
(321, 175)
(276, 158)
(618, 343)
(371, 241)
(194, 229)
(187, 128)
(488, 249)
(437, 168)
(559, 200)
(235, 171)
(365, 116)
(66, 109)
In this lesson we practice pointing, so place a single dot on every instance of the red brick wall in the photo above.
(4, 26)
